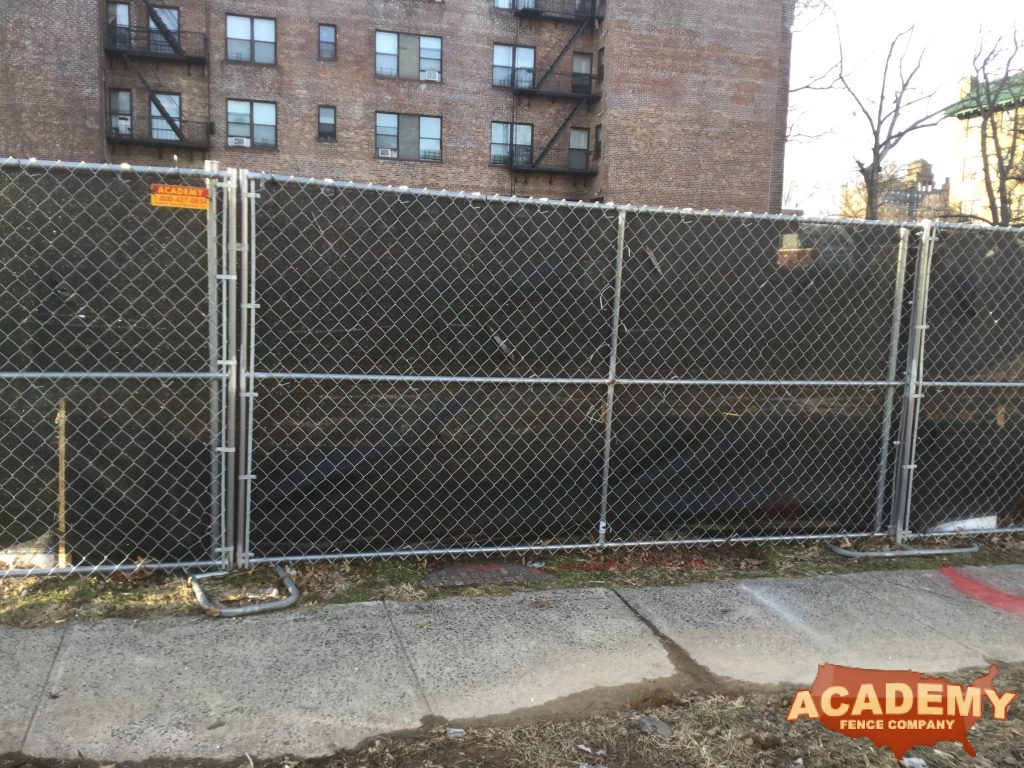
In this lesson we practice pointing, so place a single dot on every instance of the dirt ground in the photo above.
(145, 594)
(737, 730)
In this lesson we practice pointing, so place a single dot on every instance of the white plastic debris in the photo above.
(986, 523)
(456, 733)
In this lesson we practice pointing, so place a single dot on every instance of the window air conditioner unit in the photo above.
(123, 127)
(392, 153)
(432, 75)
(239, 141)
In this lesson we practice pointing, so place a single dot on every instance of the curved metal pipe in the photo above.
(216, 610)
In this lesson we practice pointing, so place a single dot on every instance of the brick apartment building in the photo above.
(665, 102)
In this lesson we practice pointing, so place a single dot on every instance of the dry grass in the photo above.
(38, 602)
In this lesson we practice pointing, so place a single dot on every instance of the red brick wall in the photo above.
(50, 65)
(693, 107)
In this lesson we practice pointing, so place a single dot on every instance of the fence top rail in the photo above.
(544, 202)
(118, 168)
(975, 226)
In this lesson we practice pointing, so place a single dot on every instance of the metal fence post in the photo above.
(247, 385)
(912, 388)
(602, 529)
(218, 509)
(890, 377)
(229, 363)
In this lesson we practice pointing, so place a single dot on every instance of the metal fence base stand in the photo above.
(216, 610)
(903, 551)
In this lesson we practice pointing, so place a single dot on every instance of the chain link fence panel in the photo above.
(112, 346)
(969, 463)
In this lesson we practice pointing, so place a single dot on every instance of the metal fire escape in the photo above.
(581, 90)
(160, 43)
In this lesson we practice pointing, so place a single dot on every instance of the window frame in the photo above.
(385, 74)
(130, 114)
(156, 41)
(320, 123)
(251, 60)
(511, 143)
(513, 79)
(598, 140)
(397, 137)
(252, 124)
(320, 42)
(152, 99)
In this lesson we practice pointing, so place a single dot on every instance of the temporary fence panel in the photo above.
(968, 466)
(114, 375)
(426, 370)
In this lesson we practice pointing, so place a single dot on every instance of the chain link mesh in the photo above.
(110, 342)
(970, 438)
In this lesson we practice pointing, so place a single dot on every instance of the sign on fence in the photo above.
(177, 196)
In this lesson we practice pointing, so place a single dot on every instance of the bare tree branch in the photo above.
(886, 111)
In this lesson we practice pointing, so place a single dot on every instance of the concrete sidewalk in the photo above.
(313, 680)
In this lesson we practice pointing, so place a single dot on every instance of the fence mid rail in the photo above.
(299, 369)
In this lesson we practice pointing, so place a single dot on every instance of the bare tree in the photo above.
(996, 99)
(892, 113)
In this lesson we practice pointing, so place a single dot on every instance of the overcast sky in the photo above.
(947, 30)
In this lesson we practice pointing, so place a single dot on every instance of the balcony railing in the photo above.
(157, 132)
(574, 162)
(560, 10)
(559, 85)
(150, 43)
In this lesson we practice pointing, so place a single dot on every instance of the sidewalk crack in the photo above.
(681, 660)
(421, 689)
(45, 689)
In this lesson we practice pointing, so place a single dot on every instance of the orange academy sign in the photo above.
(177, 196)
(898, 709)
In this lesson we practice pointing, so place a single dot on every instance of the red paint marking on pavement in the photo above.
(995, 598)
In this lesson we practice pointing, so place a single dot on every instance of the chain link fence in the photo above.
(311, 369)
(113, 385)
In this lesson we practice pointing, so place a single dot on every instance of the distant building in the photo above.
(907, 194)
(995, 110)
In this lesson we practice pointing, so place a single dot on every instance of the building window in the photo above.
(600, 64)
(511, 143)
(409, 57)
(119, 30)
(408, 137)
(159, 41)
(328, 50)
(252, 40)
(598, 136)
(165, 124)
(120, 107)
(579, 149)
(252, 123)
(326, 124)
(582, 63)
(523, 5)
(512, 63)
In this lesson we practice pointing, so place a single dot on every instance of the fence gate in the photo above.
(116, 368)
